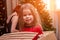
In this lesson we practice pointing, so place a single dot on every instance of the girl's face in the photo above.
(27, 16)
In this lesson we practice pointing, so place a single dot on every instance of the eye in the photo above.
(24, 15)
(29, 14)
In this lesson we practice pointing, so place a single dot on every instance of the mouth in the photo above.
(27, 20)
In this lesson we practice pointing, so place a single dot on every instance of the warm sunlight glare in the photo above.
(47, 2)
(57, 4)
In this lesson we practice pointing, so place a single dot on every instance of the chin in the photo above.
(28, 22)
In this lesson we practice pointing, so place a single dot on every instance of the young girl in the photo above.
(12, 20)
(29, 19)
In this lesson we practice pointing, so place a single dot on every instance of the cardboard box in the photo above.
(18, 36)
(48, 35)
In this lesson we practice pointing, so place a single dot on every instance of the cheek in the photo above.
(32, 18)
(24, 18)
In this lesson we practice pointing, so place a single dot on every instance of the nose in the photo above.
(28, 16)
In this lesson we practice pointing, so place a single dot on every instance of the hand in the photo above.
(15, 30)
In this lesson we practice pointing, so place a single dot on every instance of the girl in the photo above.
(29, 19)
(12, 21)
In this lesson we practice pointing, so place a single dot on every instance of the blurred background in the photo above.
(49, 11)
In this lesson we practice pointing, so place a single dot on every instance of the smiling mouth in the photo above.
(27, 20)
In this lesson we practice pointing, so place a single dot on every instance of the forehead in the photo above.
(26, 11)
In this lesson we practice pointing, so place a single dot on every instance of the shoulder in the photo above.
(39, 27)
(14, 13)
(14, 16)
(11, 15)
